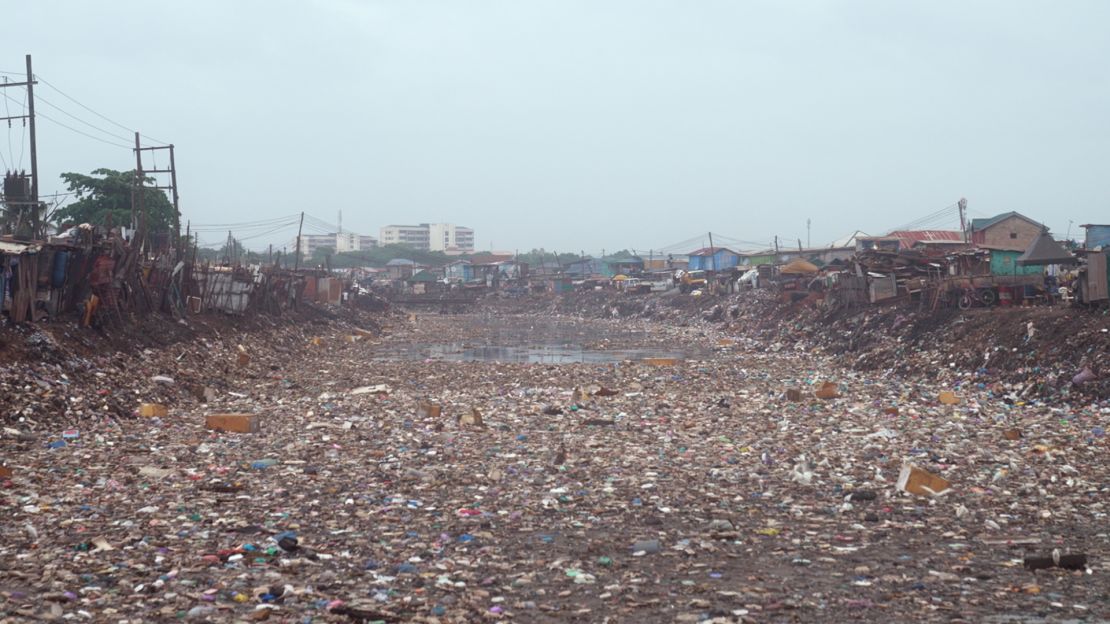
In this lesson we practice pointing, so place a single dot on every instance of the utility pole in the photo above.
(31, 128)
(137, 203)
(962, 204)
(297, 260)
(28, 204)
(809, 242)
(172, 187)
(712, 253)
(176, 207)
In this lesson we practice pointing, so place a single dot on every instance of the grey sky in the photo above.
(590, 124)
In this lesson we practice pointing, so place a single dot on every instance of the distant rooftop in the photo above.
(982, 224)
(707, 251)
(928, 235)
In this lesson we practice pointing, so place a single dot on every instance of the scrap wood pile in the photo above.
(903, 264)
(913, 271)
(740, 485)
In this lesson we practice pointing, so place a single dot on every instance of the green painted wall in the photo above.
(1005, 263)
(757, 260)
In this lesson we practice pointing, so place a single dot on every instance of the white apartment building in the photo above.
(415, 236)
(445, 237)
(339, 242)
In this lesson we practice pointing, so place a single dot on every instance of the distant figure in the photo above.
(1050, 287)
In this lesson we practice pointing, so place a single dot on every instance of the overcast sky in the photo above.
(583, 125)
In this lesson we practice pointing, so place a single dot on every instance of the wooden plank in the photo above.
(1097, 287)
(238, 423)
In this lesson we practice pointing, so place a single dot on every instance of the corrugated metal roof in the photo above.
(928, 235)
(490, 258)
(850, 240)
(16, 247)
(982, 224)
(706, 251)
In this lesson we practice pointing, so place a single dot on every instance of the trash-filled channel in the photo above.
(531, 340)
(662, 474)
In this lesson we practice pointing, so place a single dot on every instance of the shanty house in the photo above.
(758, 258)
(1004, 262)
(585, 268)
(400, 268)
(459, 271)
(878, 243)
(423, 282)
(544, 268)
(1045, 251)
(1007, 231)
(626, 266)
(985, 262)
(1097, 236)
(713, 259)
(668, 262)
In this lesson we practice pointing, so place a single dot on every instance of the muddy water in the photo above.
(537, 340)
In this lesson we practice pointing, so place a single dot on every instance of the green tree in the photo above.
(321, 255)
(537, 256)
(623, 254)
(106, 193)
(381, 255)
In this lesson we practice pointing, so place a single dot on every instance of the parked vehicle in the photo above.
(689, 281)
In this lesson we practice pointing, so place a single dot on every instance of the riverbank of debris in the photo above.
(1019, 352)
(1050, 352)
(58, 374)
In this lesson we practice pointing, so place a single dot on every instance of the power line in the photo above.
(252, 232)
(71, 128)
(93, 137)
(232, 226)
(683, 244)
(321, 222)
(742, 242)
(926, 219)
(8, 111)
(75, 117)
(114, 123)
(23, 136)
(268, 232)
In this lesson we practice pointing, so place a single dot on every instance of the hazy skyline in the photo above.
(576, 125)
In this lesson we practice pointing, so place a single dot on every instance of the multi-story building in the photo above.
(415, 236)
(445, 237)
(337, 242)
